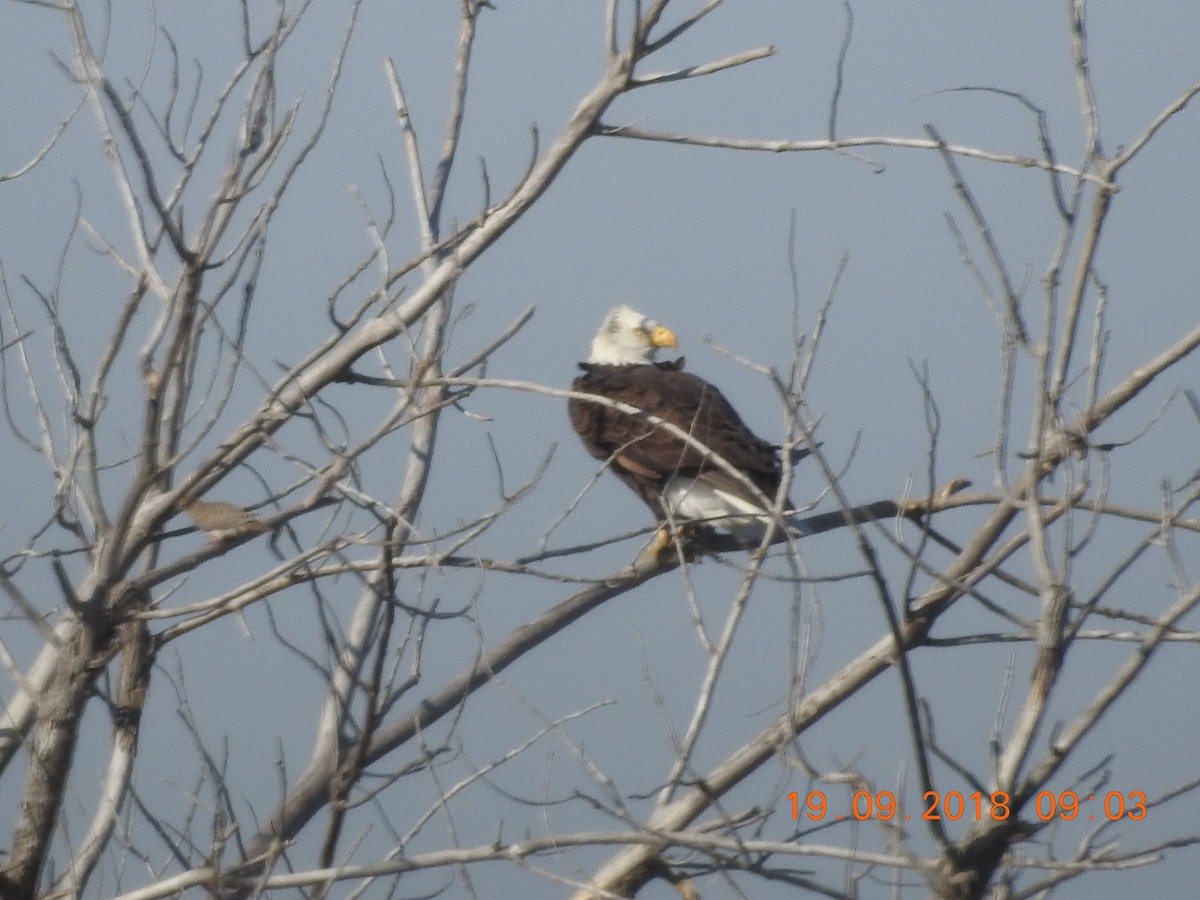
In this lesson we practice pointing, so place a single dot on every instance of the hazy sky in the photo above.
(697, 238)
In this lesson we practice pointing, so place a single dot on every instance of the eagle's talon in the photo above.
(679, 543)
(662, 543)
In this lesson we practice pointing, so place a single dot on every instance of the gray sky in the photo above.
(697, 238)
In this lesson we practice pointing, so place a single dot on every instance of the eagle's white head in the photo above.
(627, 338)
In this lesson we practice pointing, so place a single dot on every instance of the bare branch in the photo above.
(791, 146)
(720, 65)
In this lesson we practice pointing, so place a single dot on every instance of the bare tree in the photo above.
(326, 463)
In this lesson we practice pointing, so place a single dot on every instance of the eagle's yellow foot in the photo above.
(669, 544)
(662, 543)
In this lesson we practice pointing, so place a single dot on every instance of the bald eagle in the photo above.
(678, 480)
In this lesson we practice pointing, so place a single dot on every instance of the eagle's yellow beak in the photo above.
(663, 337)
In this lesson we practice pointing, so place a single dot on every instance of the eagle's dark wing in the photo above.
(646, 456)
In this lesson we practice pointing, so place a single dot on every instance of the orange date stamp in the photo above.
(954, 805)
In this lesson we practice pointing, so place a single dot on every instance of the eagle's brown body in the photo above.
(646, 456)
